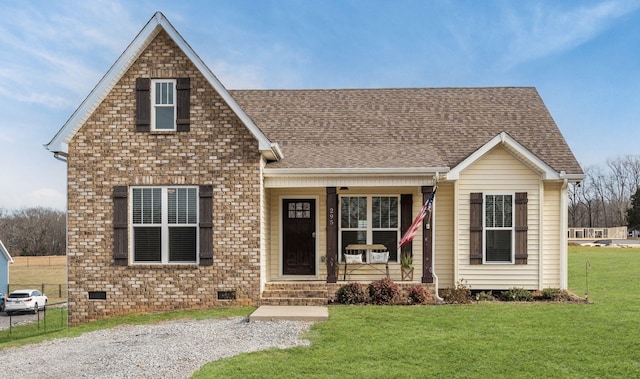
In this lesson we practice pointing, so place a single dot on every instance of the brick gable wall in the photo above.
(218, 150)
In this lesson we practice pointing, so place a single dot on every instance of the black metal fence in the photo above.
(15, 326)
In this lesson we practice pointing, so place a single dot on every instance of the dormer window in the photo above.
(163, 105)
(163, 115)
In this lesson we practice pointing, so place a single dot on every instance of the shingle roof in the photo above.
(408, 127)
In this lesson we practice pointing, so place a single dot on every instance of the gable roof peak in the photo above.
(514, 147)
(59, 145)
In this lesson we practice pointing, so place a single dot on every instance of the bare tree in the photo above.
(576, 206)
(34, 231)
(605, 194)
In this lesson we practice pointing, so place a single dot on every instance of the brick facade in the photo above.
(106, 151)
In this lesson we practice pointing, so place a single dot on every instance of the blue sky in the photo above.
(582, 56)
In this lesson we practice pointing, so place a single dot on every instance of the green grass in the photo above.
(33, 272)
(486, 340)
(54, 321)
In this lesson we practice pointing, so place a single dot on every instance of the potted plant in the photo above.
(406, 266)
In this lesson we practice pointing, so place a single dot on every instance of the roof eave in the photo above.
(60, 142)
(5, 252)
(546, 172)
(328, 172)
(574, 178)
(272, 152)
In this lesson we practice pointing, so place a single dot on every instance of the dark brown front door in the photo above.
(298, 237)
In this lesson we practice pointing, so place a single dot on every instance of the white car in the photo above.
(25, 300)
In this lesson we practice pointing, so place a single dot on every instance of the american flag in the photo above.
(415, 226)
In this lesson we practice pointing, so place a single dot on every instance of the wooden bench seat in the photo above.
(358, 255)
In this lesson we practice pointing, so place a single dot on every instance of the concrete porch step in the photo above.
(297, 301)
(283, 293)
(297, 313)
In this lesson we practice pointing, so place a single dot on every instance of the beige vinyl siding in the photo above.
(499, 172)
(350, 181)
(364, 272)
(443, 235)
(552, 235)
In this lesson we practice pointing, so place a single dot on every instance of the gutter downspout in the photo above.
(60, 156)
(564, 259)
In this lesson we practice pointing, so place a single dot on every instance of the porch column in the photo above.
(427, 238)
(332, 234)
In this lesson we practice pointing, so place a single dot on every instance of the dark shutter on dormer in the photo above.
(120, 226)
(206, 225)
(143, 105)
(183, 89)
(475, 230)
(522, 228)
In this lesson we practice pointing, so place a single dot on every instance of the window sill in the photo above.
(163, 265)
(497, 263)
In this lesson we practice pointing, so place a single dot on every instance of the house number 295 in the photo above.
(331, 216)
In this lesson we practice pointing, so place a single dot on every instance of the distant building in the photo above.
(598, 233)
(5, 259)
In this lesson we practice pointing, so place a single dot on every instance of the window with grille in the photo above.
(498, 228)
(370, 220)
(164, 223)
(163, 115)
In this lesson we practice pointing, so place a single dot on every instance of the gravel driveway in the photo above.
(173, 349)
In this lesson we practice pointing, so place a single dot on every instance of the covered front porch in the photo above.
(311, 228)
(307, 230)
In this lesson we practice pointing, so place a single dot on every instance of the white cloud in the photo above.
(40, 197)
(548, 30)
(55, 58)
(47, 197)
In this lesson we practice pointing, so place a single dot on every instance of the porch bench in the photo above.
(357, 255)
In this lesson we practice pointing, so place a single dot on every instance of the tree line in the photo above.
(33, 231)
(609, 196)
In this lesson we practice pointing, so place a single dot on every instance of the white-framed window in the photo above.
(163, 104)
(498, 228)
(370, 220)
(164, 224)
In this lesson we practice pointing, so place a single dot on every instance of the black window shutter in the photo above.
(206, 225)
(143, 105)
(183, 89)
(406, 219)
(475, 230)
(120, 226)
(521, 215)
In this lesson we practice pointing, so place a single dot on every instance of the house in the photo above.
(183, 194)
(5, 259)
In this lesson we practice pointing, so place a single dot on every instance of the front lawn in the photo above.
(486, 340)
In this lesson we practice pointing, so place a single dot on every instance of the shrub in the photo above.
(460, 294)
(384, 291)
(351, 293)
(550, 293)
(516, 294)
(418, 295)
(485, 296)
(555, 294)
